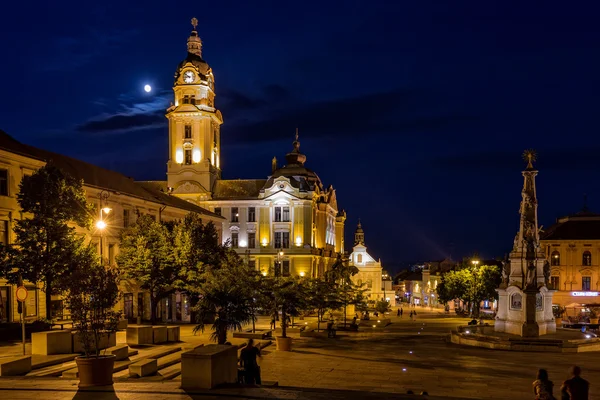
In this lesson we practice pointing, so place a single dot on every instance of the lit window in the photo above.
(277, 214)
(555, 258)
(587, 258)
(188, 156)
(286, 240)
(286, 214)
(234, 240)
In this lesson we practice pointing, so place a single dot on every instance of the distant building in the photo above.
(418, 285)
(370, 272)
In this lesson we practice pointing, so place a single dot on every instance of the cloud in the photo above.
(391, 112)
(136, 115)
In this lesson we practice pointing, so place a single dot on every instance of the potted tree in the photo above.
(558, 312)
(92, 293)
(288, 297)
(593, 315)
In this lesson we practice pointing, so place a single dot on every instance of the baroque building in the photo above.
(572, 247)
(370, 272)
(287, 223)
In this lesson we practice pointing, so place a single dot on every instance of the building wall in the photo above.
(107, 241)
(570, 270)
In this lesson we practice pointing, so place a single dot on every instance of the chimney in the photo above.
(274, 164)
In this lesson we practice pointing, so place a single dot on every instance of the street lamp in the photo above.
(474, 290)
(100, 224)
(278, 267)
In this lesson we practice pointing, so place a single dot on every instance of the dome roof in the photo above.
(197, 61)
(300, 176)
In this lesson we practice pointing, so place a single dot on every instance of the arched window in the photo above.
(587, 258)
(359, 258)
(555, 258)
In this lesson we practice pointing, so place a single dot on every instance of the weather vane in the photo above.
(530, 156)
(194, 23)
(296, 134)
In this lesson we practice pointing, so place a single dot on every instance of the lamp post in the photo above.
(278, 266)
(100, 224)
(474, 291)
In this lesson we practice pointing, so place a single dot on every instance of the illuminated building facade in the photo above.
(123, 198)
(288, 223)
(572, 247)
(370, 272)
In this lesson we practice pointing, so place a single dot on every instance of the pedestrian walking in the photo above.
(575, 388)
(401, 312)
(398, 313)
(248, 362)
(273, 322)
(415, 314)
(411, 315)
(542, 386)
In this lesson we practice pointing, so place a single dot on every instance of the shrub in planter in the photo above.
(91, 294)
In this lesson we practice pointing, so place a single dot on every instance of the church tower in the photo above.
(194, 127)
(359, 235)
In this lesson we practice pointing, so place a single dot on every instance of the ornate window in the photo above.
(234, 240)
(586, 283)
(555, 258)
(586, 259)
(278, 240)
(277, 214)
(359, 258)
(251, 214)
(188, 156)
(235, 215)
(187, 132)
(286, 214)
(251, 240)
(285, 240)
(555, 282)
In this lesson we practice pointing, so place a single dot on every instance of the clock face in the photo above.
(188, 77)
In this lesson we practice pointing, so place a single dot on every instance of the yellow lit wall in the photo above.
(264, 226)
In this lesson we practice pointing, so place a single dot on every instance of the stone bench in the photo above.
(51, 342)
(259, 334)
(143, 368)
(173, 333)
(139, 334)
(121, 352)
(159, 334)
(122, 325)
(208, 366)
(15, 366)
(106, 340)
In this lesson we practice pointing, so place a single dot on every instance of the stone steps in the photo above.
(124, 365)
(60, 366)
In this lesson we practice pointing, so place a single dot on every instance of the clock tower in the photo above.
(194, 127)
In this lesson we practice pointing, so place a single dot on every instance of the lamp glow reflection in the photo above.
(100, 224)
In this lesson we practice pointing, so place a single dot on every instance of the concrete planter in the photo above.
(284, 343)
(95, 371)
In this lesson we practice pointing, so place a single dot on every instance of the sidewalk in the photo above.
(55, 389)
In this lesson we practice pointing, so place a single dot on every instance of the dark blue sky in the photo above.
(417, 112)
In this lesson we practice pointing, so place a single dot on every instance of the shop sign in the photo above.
(580, 294)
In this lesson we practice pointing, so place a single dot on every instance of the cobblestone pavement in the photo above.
(407, 355)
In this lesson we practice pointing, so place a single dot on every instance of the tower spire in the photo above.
(359, 235)
(194, 43)
(295, 157)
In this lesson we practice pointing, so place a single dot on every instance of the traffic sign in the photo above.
(21, 293)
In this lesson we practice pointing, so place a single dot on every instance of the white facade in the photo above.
(370, 272)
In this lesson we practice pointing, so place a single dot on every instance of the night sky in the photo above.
(417, 112)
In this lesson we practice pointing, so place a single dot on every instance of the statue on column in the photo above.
(547, 274)
(531, 275)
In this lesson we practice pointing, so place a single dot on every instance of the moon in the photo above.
(147, 88)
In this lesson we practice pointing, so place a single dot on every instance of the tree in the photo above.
(91, 294)
(341, 274)
(225, 293)
(147, 256)
(471, 285)
(47, 248)
(289, 298)
(322, 295)
(382, 306)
